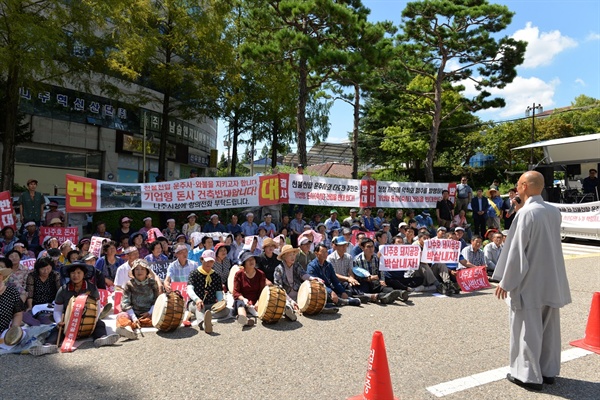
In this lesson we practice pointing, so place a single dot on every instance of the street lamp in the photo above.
(531, 110)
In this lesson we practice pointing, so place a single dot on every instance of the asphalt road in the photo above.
(430, 341)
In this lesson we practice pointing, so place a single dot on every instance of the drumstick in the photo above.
(139, 328)
(60, 328)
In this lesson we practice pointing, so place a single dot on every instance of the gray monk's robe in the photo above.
(531, 266)
(532, 269)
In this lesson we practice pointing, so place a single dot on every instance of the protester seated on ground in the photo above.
(322, 269)
(332, 222)
(214, 225)
(101, 230)
(261, 236)
(289, 274)
(31, 237)
(179, 270)
(122, 275)
(205, 288)
(267, 260)
(138, 240)
(347, 235)
(367, 222)
(11, 305)
(191, 226)
(50, 242)
(171, 231)
(125, 228)
(233, 227)
(95, 276)
(440, 233)
(19, 274)
(460, 219)
(139, 295)
(65, 248)
(473, 254)
(222, 263)
(371, 280)
(352, 219)
(78, 285)
(8, 239)
(322, 230)
(305, 256)
(156, 253)
(109, 262)
(491, 252)
(381, 239)
(83, 246)
(342, 264)
(386, 228)
(249, 227)
(182, 239)
(268, 224)
(380, 219)
(22, 248)
(248, 283)
(236, 248)
(357, 248)
(488, 236)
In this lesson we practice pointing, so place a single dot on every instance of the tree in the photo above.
(368, 51)
(37, 42)
(309, 35)
(451, 42)
(176, 48)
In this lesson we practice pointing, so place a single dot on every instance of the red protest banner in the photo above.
(368, 193)
(61, 233)
(182, 288)
(370, 235)
(7, 213)
(471, 279)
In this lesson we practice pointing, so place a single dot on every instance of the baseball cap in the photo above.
(339, 241)
(208, 255)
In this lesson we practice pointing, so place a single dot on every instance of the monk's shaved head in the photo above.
(534, 181)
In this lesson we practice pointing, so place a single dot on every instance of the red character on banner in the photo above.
(368, 192)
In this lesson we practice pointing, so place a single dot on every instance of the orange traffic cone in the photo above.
(591, 341)
(378, 384)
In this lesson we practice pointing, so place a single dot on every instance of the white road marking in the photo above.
(574, 249)
(468, 382)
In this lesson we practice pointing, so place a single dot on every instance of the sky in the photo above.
(562, 60)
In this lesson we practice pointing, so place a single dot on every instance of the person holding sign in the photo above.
(139, 295)
(371, 280)
(532, 274)
(205, 289)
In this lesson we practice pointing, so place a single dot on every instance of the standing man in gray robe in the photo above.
(531, 271)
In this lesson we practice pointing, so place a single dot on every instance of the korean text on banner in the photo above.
(583, 219)
(320, 191)
(410, 194)
(471, 279)
(89, 195)
(441, 251)
(62, 234)
(398, 257)
(7, 214)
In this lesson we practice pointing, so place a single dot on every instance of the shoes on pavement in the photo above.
(208, 326)
(386, 298)
(549, 380)
(242, 320)
(354, 302)
(402, 295)
(105, 311)
(250, 322)
(45, 349)
(289, 313)
(364, 298)
(127, 332)
(330, 310)
(106, 340)
(526, 385)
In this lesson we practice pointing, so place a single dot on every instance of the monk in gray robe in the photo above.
(532, 274)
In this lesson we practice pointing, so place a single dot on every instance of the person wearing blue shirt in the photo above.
(424, 220)
(322, 269)
(233, 227)
(269, 225)
(367, 221)
(332, 222)
(249, 227)
(214, 225)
